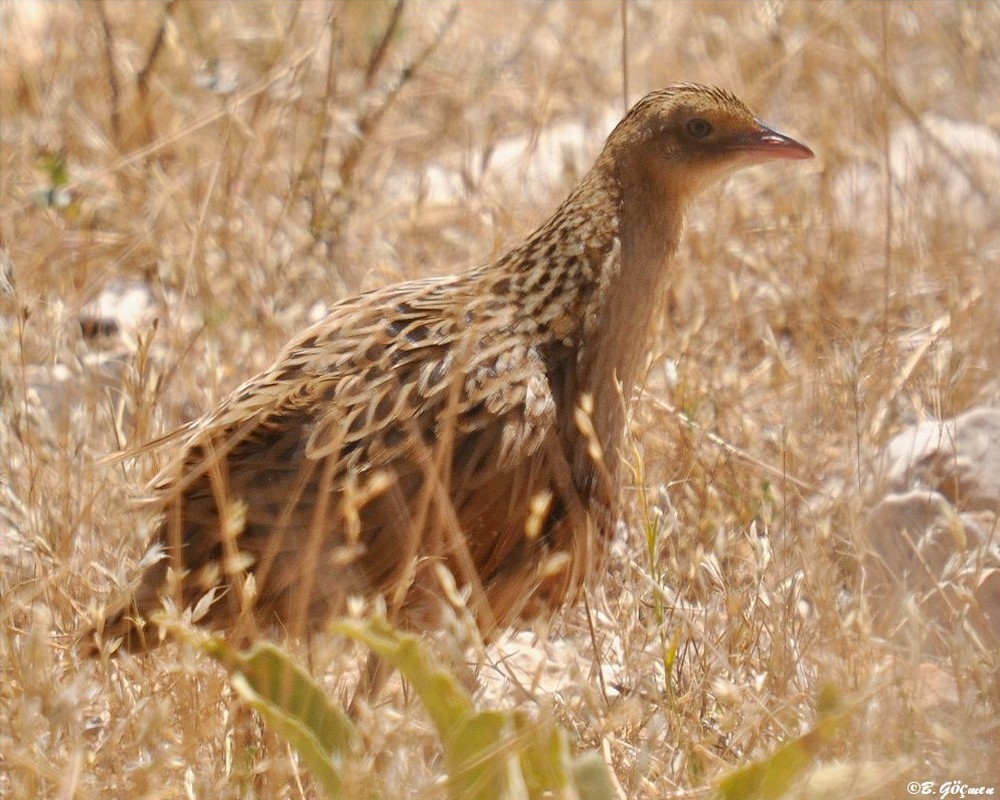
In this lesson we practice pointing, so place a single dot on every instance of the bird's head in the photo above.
(685, 137)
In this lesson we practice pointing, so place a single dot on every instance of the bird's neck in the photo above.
(586, 285)
(615, 342)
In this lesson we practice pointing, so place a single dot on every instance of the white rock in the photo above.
(931, 555)
(941, 170)
(960, 458)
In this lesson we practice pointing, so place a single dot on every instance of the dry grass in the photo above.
(213, 154)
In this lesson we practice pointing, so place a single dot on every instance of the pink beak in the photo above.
(766, 145)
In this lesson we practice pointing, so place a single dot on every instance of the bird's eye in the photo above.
(698, 128)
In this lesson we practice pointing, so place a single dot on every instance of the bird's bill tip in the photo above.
(766, 144)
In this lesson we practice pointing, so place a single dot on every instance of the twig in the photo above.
(379, 53)
(887, 287)
(330, 92)
(598, 661)
(109, 55)
(733, 450)
(974, 178)
(192, 127)
(142, 78)
(373, 116)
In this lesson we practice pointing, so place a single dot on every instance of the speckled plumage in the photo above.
(472, 421)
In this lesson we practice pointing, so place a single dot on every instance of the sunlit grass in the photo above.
(812, 314)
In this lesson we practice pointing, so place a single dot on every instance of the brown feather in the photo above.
(472, 421)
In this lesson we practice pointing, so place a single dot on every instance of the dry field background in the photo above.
(239, 165)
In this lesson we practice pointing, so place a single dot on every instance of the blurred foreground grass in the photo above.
(245, 164)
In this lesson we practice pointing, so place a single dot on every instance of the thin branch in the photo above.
(330, 92)
(887, 169)
(142, 78)
(379, 53)
(726, 447)
(190, 128)
(109, 55)
(373, 116)
(974, 178)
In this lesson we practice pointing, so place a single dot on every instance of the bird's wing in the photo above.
(445, 414)
(386, 384)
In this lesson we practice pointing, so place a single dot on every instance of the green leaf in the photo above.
(489, 755)
(479, 747)
(859, 780)
(54, 165)
(446, 702)
(545, 756)
(269, 680)
(480, 759)
(592, 778)
(772, 778)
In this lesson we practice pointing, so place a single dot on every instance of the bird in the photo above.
(463, 429)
